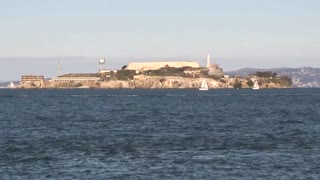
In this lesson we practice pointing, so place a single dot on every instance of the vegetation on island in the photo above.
(125, 74)
(237, 84)
(266, 77)
(167, 71)
(171, 77)
(270, 77)
(249, 82)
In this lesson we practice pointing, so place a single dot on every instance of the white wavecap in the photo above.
(102, 61)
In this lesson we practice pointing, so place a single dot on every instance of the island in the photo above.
(158, 75)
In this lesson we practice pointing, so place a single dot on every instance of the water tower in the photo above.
(102, 62)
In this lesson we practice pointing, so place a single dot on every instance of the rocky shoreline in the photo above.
(163, 78)
(166, 82)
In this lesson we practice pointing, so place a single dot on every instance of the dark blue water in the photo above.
(160, 134)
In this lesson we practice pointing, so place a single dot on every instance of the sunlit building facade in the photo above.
(157, 65)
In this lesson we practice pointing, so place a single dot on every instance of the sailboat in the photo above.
(255, 85)
(204, 85)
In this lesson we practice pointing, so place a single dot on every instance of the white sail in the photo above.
(255, 85)
(204, 85)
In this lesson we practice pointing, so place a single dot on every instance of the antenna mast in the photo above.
(59, 69)
(208, 61)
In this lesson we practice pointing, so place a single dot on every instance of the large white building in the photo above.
(158, 65)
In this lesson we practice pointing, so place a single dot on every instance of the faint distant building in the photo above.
(77, 77)
(108, 71)
(157, 65)
(32, 80)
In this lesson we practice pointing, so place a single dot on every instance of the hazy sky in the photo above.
(37, 34)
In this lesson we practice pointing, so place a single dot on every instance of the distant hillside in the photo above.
(301, 77)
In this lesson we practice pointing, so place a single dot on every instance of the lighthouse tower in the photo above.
(208, 61)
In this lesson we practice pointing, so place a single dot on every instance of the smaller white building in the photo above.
(77, 77)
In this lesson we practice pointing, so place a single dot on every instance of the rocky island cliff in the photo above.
(166, 77)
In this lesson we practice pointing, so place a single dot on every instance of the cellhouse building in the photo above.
(157, 65)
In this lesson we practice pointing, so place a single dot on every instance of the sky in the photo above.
(37, 35)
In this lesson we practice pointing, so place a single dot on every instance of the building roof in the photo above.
(80, 75)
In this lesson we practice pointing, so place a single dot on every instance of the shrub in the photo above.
(250, 83)
(124, 67)
(78, 85)
(265, 74)
(214, 77)
(167, 71)
(285, 80)
(222, 80)
(162, 80)
(237, 84)
(125, 74)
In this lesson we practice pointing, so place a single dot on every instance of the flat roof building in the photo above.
(77, 77)
(31, 78)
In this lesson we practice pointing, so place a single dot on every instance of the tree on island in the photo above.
(124, 67)
(237, 84)
(250, 82)
(265, 74)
